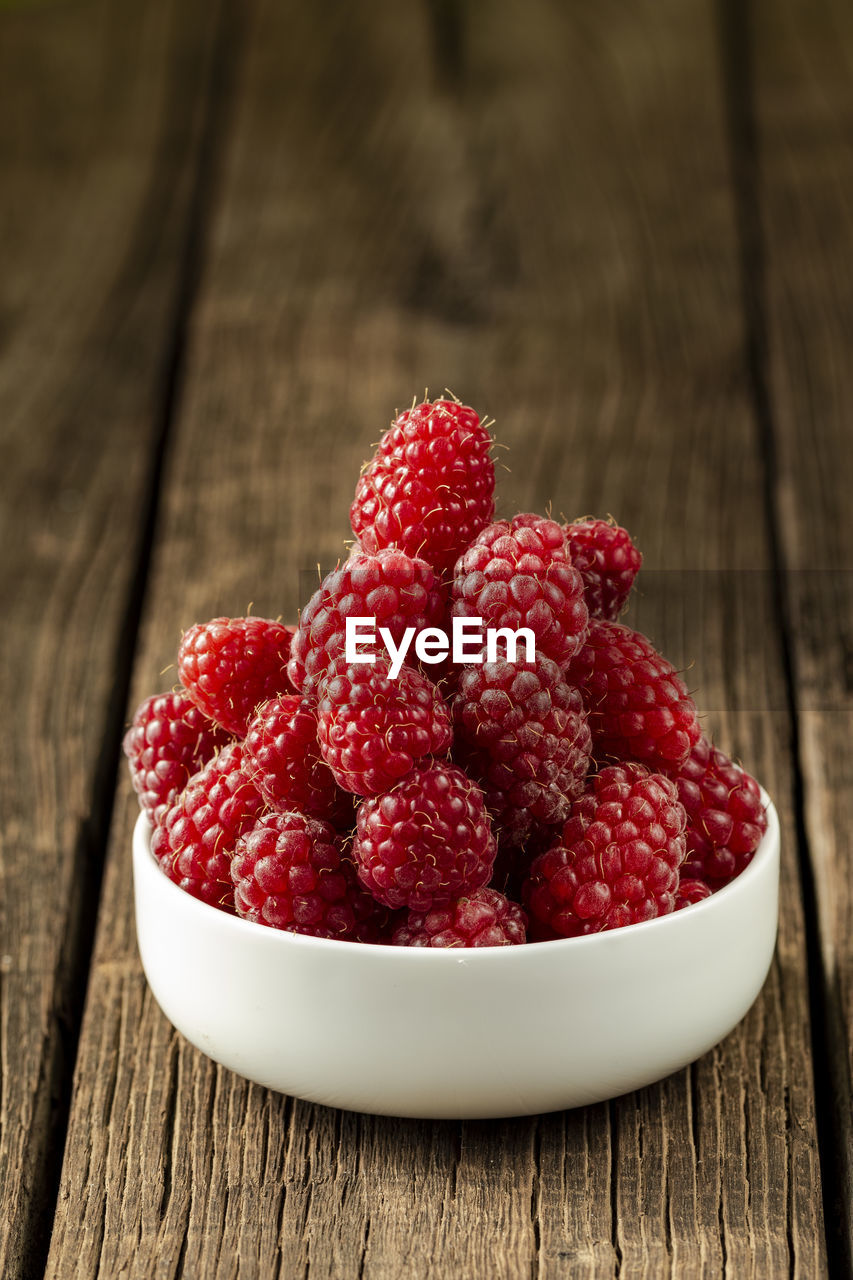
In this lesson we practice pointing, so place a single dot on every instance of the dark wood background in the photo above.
(235, 235)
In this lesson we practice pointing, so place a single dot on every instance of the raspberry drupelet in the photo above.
(398, 590)
(289, 872)
(725, 814)
(282, 758)
(608, 562)
(519, 573)
(168, 741)
(691, 891)
(425, 842)
(638, 706)
(196, 840)
(372, 728)
(522, 732)
(618, 859)
(429, 488)
(483, 919)
(231, 665)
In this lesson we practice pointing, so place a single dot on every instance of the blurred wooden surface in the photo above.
(235, 238)
(102, 116)
(804, 303)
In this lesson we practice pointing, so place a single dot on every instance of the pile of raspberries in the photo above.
(471, 805)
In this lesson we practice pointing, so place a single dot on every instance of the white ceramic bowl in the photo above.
(498, 1031)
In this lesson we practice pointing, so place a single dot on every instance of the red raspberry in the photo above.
(196, 840)
(618, 860)
(289, 873)
(521, 731)
(230, 665)
(725, 814)
(690, 891)
(392, 587)
(430, 486)
(484, 919)
(168, 741)
(282, 758)
(608, 562)
(372, 728)
(638, 706)
(519, 573)
(425, 842)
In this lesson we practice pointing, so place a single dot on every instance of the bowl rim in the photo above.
(767, 849)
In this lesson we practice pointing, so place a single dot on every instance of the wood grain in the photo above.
(540, 217)
(804, 109)
(98, 135)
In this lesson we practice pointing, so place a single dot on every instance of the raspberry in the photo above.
(725, 814)
(608, 562)
(372, 728)
(392, 587)
(425, 842)
(230, 665)
(618, 860)
(289, 873)
(282, 758)
(168, 741)
(196, 840)
(484, 919)
(519, 573)
(430, 487)
(690, 891)
(638, 706)
(522, 732)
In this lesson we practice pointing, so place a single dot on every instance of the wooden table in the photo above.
(235, 235)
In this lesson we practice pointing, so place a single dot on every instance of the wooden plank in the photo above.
(98, 138)
(542, 221)
(804, 108)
